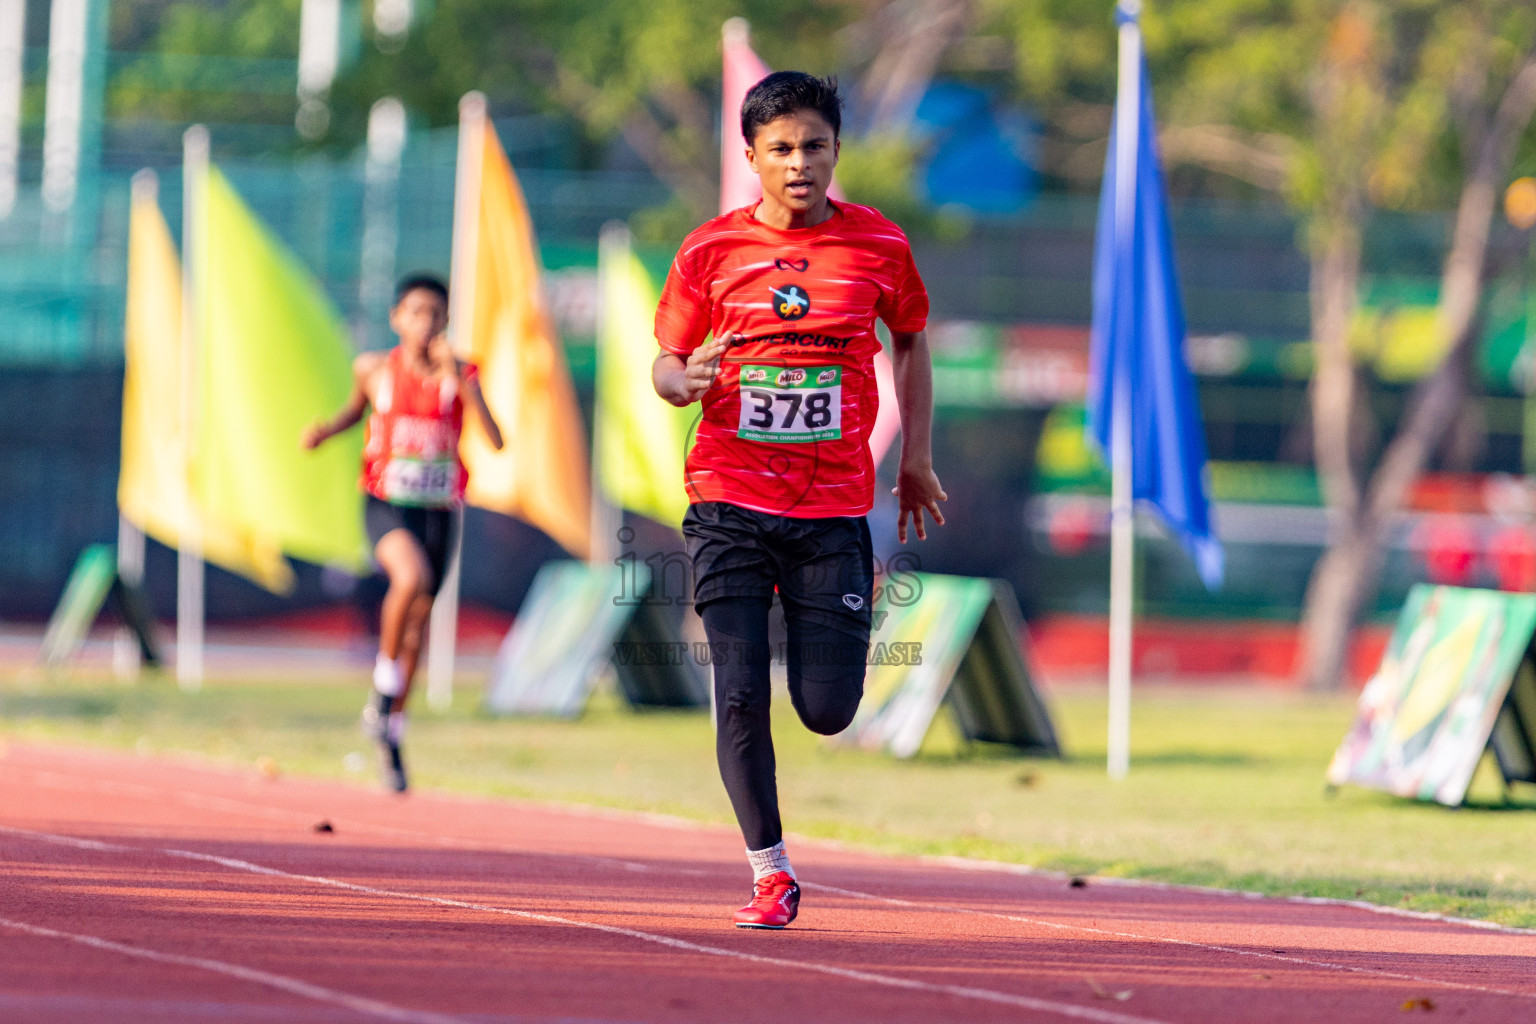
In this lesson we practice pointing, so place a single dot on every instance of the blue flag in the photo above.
(1138, 345)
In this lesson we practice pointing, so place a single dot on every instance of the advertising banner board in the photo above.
(951, 643)
(578, 621)
(92, 585)
(1456, 678)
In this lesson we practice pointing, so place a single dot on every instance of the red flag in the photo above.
(742, 69)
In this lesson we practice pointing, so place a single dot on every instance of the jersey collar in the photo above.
(831, 223)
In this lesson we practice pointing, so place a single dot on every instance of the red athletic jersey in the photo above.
(411, 455)
(785, 428)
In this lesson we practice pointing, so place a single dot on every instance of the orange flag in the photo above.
(540, 475)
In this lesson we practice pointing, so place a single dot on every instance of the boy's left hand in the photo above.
(917, 489)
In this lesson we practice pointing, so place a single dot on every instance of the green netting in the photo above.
(61, 285)
(62, 279)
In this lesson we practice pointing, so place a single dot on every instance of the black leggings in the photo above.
(826, 680)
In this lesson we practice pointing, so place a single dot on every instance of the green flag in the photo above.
(641, 439)
(275, 359)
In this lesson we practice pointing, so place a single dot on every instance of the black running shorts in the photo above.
(823, 568)
(432, 528)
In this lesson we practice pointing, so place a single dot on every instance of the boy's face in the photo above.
(419, 316)
(794, 156)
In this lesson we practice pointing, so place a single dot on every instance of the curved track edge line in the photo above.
(293, 986)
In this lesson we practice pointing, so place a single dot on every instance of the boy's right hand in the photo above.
(312, 436)
(703, 367)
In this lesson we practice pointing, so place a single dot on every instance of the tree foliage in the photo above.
(645, 72)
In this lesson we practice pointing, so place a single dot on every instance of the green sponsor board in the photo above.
(948, 647)
(577, 622)
(92, 584)
(1456, 676)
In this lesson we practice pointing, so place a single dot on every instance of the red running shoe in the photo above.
(775, 902)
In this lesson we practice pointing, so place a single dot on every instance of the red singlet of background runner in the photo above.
(806, 300)
(415, 420)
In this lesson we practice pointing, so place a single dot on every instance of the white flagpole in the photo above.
(443, 631)
(381, 214)
(127, 658)
(319, 60)
(13, 19)
(63, 103)
(612, 248)
(189, 555)
(1122, 508)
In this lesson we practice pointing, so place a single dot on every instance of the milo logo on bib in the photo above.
(792, 405)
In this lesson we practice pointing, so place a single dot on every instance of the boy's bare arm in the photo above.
(363, 369)
(682, 382)
(917, 488)
(477, 402)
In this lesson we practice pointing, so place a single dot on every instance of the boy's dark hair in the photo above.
(427, 282)
(785, 92)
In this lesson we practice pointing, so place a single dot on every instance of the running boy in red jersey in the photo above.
(780, 477)
(414, 481)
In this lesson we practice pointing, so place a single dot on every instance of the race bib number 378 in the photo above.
(791, 405)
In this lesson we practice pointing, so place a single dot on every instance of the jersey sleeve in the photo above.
(683, 315)
(905, 307)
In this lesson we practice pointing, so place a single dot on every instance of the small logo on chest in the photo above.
(790, 301)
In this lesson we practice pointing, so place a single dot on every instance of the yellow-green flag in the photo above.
(153, 490)
(275, 358)
(641, 438)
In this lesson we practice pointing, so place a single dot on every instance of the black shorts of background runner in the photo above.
(823, 570)
(432, 528)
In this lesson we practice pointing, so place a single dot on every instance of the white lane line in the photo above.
(293, 986)
(685, 824)
(885, 980)
(1235, 950)
(889, 981)
(1019, 869)
(91, 844)
(230, 805)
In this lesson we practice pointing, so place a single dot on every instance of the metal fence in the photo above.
(62, 283)
(62, 279)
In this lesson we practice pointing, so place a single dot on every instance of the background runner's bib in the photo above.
(792, 405)
(424, 482)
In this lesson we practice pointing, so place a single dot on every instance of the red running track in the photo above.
(141, 889)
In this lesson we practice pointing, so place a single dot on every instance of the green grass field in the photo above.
(1226, 788)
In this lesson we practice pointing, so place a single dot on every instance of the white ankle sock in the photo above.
(766, 862)
(387, 677)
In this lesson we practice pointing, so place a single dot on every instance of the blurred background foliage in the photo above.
(637, 82)
(1286, 126)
